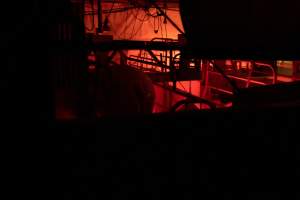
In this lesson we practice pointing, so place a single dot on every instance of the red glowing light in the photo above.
(92, 68)
(92, 58)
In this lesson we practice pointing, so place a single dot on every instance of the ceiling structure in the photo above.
(170, 3)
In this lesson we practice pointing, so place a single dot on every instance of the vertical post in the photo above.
(84, 98)
(173, 70)
(204, 77)
(99, 5)
(274, 65)
(296, 69)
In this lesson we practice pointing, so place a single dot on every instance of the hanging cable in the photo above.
(166, 30)
(161, 28)
(92, 14)
(138, 28)
(111, 8)
(131, 36)
(141, 20)
(155, 28)
(123, 35)
(165, 7)
(106, 27)
(152, 15)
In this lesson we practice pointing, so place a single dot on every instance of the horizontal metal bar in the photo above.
(244, 79)
(238, 78)
(180, 92)
(134, 45)
(221, 90)
(187, 75)
(149, 63)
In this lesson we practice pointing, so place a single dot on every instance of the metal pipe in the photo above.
(271, 67)
(250, 73)
(245, 79)
(221, 90)
(149, 63)
(173, 71)
(154, 57)
(185, 94)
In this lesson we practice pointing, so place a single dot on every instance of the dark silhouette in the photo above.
(124, 90)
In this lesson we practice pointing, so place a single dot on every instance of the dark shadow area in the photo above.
(249, 151)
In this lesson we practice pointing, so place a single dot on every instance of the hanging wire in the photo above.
(152, 15)
(132, 31)
(155, 28)
(121, 35)
(111, 8)
(132, 36)
(139, 19)
(91, 15)
(166, 30)
(161, 27)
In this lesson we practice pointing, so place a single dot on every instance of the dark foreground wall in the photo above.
(224, 155)
(207, 155)
(252, 29)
